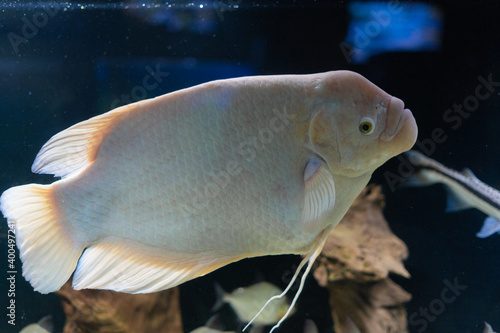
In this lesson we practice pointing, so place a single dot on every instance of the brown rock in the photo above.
(112, 312)
(355, 264)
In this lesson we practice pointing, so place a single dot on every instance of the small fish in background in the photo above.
(464, 189)
(205, 329)
(488, 328)
(44, 325)
(165, 190)
(213, 325)
(247, 301)
(310, 326)
(350, 326)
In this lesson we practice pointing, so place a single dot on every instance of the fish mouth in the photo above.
(397, 116)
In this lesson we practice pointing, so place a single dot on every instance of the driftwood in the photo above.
(355, 264)
(112, 312)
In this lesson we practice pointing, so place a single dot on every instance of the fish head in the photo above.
(356, 126)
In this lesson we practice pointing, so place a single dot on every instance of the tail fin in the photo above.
(490, 226)
(48, 254)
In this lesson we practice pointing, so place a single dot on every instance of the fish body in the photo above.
(309, 327)
(34, 328)
(488, 328)
(464, 189)
(247, 301)
(44, 325)
(204, 329)
(213, 325)
(164, 190)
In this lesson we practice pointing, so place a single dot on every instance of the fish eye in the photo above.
(366, 125)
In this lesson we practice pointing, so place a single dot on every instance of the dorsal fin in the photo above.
(468, 173)
(72, 150)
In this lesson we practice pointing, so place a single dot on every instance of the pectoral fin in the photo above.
(319, 198)
(454, 202)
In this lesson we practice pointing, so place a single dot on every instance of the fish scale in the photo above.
(188, 158)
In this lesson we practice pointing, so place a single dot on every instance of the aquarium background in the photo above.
(63, 62)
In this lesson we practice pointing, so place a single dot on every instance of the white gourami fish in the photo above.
(164, 190)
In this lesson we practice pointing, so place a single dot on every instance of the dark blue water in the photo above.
(63, 63)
